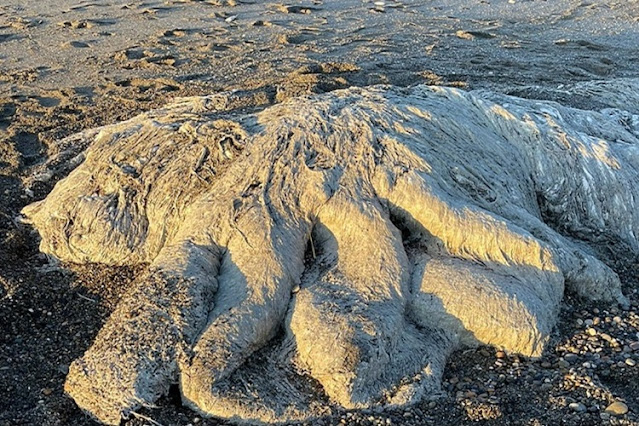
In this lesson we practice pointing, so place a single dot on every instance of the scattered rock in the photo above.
(76, 24)
(577, 407)
(562, 363)
(571, 358)
(617, 408)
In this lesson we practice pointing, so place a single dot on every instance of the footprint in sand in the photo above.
(76, 44)
(8, 37)
(580, 44)
(306, 10)
(228, 3)
(174, 33)
(76, 24)
(25, 23)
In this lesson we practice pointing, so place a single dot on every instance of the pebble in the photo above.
(563, 363)
(617, 408)
(631, 362)
(606, 337)
(634, 346)
(577, 406)
(591, 332)
(571, 358)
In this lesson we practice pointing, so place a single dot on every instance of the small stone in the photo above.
(500, 354)
(563, 363)
(617, 408)
(634, 346)
(546, 364)
(47, 391)
(588, 322)
(631, 362)
(571, 358)
(591, 332)
(606, 337)
(577, 407)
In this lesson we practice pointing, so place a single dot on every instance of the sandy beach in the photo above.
(67, 66)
